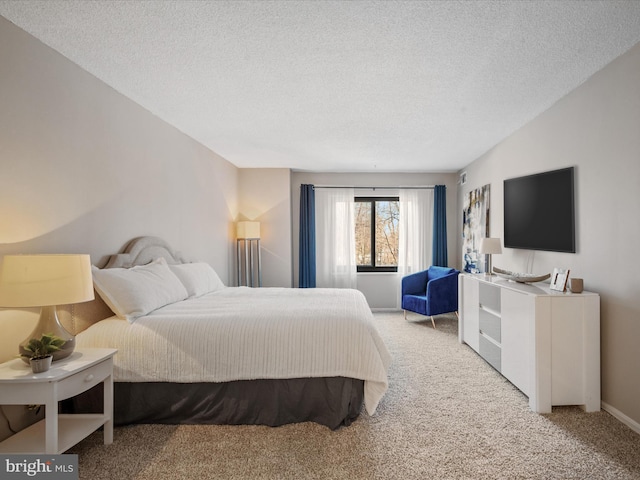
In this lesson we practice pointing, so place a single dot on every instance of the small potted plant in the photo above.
(40, 351)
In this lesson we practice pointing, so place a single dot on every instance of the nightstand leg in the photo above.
(108, 410)
(51, 421)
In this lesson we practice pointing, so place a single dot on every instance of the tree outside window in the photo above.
(376, 220)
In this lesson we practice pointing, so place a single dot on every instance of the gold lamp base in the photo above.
(49, 323)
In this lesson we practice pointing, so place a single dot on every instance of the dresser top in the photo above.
(538, 288)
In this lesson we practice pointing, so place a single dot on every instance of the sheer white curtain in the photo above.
(415, 231)
(335, 238)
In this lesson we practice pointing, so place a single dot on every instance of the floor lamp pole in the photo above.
(239, 263)
(246, 262)
(259, 264)
(252, 267)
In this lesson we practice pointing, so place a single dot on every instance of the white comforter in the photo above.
(240, 333)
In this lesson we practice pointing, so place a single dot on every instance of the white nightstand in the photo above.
(69, 377)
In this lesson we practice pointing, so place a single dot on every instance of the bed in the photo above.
(191, 350)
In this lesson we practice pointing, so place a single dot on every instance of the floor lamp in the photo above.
(248, 242)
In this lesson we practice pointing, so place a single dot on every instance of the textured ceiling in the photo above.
(336, 85)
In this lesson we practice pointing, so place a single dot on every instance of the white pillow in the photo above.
(197, 278)
(133, 292)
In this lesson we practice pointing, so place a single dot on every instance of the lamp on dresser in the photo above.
(46, 281)
(248, 233)
(489, 246)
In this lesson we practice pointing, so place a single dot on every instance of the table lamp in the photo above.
(489, 246)
(46, 281)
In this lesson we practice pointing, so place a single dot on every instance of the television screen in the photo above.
(539, 212)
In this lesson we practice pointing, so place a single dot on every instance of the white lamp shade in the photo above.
(490, 245)
(45, 280)
(248, 230)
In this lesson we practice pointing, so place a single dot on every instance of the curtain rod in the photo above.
(417, 187)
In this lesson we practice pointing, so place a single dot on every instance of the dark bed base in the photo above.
(330, 401)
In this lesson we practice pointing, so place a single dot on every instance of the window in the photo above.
(376, 223)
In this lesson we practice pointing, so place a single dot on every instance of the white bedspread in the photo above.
(241, 333)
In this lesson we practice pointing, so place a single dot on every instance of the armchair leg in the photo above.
(405, 314)
(433, 322)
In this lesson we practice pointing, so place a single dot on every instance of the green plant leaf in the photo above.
(45, 345)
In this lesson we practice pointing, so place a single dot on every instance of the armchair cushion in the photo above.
(431, 292)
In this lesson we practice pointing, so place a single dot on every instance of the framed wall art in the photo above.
(475, 226)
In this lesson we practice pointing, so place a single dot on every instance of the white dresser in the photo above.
(546, 343)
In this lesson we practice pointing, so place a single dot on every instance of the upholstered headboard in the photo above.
(143, 250)
(139, 251)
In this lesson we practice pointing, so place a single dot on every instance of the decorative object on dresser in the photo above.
(545, 342)
(559, 279)
(488, 247)
(46, 281)
(576, 285)
(520, 277)
(431, 292)
(248, 234)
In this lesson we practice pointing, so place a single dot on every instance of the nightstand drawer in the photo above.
(84, 380)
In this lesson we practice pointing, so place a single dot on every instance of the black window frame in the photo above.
(374, 268)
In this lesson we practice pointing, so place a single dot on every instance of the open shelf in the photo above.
(71, 430)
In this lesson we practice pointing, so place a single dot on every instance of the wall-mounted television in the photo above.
(539, 211)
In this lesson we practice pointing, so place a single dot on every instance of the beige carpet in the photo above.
(447, 415)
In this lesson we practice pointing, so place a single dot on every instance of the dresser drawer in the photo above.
(489, 296)
(491, 352)
(84, 380)
(490, 325)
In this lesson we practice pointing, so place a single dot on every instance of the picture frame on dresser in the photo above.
(559, 279)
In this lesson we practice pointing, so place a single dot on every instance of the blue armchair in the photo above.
(431, 292)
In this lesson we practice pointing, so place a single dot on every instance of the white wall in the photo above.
(596, 128)
(380, 289)
(84, 169)
(265, 197)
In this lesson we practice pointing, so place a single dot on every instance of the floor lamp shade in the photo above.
(46, 281)
(246, 230)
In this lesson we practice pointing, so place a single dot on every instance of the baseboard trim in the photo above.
(629, 422)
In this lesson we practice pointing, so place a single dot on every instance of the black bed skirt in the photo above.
(329, 401)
